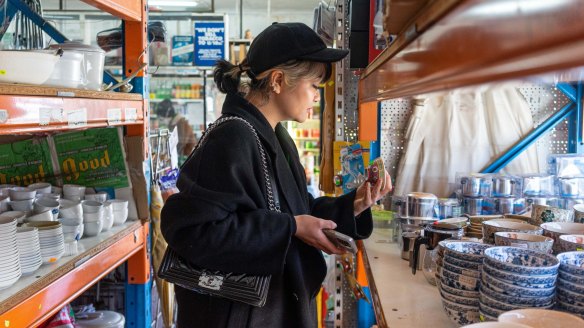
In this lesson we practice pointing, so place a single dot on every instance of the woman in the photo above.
(220, 219)
(186, 137)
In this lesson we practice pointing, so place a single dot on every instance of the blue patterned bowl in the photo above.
(576, 288)
(485, 317)
(519, 301)
(522, 280)
(470, 301)
(470, 265)
(459, 292)
(569, 295)
(460, 270)
(492, 312)
(467, 251)
(571, 308)
(460, 284)
(505, 288)
(461, 314)
(570, 277)
(521, 261)
(572, 263)
(470, 281)
(495, 304)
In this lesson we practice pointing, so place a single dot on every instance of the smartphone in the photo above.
(340, 240)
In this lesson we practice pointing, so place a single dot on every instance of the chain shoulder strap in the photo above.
(273, 205)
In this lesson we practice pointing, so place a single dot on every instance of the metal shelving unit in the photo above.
(33, 109)
(458, 43)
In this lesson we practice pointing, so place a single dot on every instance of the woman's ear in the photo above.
(276, 81)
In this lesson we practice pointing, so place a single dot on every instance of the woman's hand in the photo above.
(367, 195)
(309, 230)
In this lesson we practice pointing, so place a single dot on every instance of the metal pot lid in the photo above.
(448, 201)
(73, 45)
(422, 195)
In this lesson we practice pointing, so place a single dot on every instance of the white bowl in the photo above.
(18, 215)
(21, 193)
(47, 204)
(73, 192)
(74, 210)
(120, 217)
(48, 195)
(41, 187)
(93, 228)
(93, 217)
(22, 205)
(4, 203)
(43, 216)
(119, 204)
(91, 206)
(108, 222)
(71, 221)
(99, 197)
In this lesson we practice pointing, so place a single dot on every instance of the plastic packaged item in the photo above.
(504, 205)
(505, 186)
(473, 205)
(448, 208)
(538, 185)
(568, 203)
(571, 187)
(353, 169)
(93, 61)
(519, 206)
(566, 165)
(475, 185)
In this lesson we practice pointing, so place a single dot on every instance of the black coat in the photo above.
(220, 220)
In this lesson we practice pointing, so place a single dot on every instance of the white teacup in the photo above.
(91, 206)
(47, 204)
(41, 187)
(22, 205)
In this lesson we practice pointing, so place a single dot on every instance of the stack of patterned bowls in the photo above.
(459, 284)
(516, 278)
(10, 270)
(29, 248)
(571, 243)
(525, 240)
(571, 283)
(475, 229)
(556, 229)
(513, 225)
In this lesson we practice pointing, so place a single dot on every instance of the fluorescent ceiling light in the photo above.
(176, 3)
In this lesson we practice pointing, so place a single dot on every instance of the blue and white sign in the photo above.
(210, 43)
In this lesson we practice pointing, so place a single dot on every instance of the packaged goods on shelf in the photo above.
(183, 50)
(566, 165)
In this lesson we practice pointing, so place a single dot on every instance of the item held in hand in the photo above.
(376, 171)
(340, 240)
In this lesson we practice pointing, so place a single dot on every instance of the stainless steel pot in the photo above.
(504, 205)
(448, 208)
(421, 205)
(471, 186)
(503, 186)
(473, 206)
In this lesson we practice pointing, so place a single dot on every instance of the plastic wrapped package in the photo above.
(538, 185)
(566, 165)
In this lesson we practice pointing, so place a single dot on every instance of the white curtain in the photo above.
(461, 132)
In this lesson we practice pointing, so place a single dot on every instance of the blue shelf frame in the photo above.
(572, 111)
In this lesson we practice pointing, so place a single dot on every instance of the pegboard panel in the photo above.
(545, 100)
(351, 119)
(395, 116)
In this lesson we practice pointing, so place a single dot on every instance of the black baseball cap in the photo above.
(282, 42)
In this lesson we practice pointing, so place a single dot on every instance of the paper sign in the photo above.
(77, 117)
(209, 43)
(48, 115)
(114, 116)
(131, 115)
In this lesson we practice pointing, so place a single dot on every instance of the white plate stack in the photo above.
(9, 265)
(29, 248)
(51, 240)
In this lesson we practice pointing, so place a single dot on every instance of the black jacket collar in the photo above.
(283, 153)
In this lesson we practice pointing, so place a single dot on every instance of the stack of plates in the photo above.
(571, 283)
(516, 278)
(29, 248)
(51, 240)
(9, 265)
(459, 280)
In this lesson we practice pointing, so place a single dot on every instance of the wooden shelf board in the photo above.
(477, 41)
(34, 298)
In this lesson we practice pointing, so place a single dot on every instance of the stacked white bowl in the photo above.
(517, 278)
(460, 280)
(10, 270)
(22, 198)
(92, 217)
(51, 240)
(108, 216)
(29, 248)
(120, 211)
(45, 204)
(571, 283)
(71, 217)
(73, 192)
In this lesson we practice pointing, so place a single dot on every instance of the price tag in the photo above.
(469, 273)
(520, 245)
(114, 116)
(48, 115)
(3, 116)
(131, 115)
(77, 117)
(467, 280)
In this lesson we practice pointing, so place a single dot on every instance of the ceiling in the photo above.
(275, 5)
